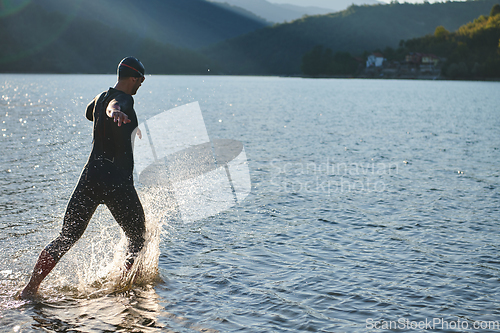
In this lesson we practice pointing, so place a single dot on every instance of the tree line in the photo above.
(473, 51)
(278, 50)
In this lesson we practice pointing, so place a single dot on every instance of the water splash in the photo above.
(103, 271)
(205, 176)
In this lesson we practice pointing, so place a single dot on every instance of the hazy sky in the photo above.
(326, 3)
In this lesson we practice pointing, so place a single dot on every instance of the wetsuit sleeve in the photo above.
(89, 113)
(121, 136)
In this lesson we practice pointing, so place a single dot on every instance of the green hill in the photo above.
(473, 51)
(278, 50)
(34, 40)
(60, 36)
(183, 23)
(91, 36)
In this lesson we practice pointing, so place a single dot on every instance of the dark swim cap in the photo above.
(130, 67)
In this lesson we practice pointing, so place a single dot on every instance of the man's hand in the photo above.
(113, 111)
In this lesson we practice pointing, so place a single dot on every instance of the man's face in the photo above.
(137, 83)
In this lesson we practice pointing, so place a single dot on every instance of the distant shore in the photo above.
(400, 77)
(424, 77)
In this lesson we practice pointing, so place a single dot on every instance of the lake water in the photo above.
(374, 204)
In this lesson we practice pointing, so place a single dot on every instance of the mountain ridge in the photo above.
(187, 23)
(278, 50)
(275, 13)
(286, 12)
(34, 40)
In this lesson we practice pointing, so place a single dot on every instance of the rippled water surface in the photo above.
(373, 202)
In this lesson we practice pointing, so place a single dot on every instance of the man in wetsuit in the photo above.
(107, 176)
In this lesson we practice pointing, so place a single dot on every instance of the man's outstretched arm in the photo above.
(114, 111)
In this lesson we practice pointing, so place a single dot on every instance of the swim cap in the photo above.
(130, 67)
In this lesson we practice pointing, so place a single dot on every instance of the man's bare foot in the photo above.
(43, 266)
(27, 294)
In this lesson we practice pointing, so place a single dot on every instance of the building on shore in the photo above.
(414, 65)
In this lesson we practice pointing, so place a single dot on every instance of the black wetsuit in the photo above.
(107, 178)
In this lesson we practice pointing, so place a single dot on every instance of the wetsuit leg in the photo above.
(79, 211)
(125, 206)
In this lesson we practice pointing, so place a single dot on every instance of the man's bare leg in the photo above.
(42, 268)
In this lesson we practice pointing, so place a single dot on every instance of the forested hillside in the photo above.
(274, 12)
(279, 49)
(473, 51)
(91, 36)
(34, 40)
(186, 23)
